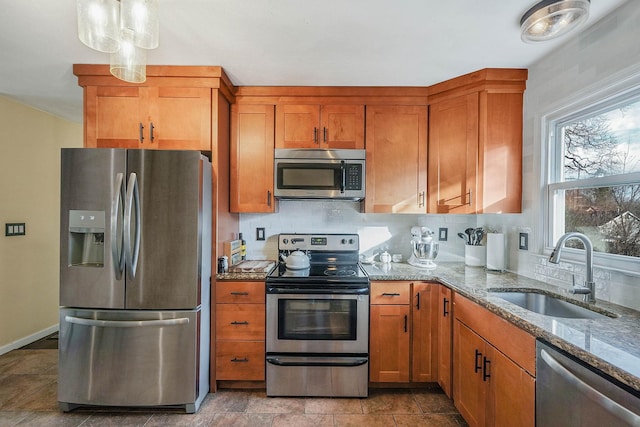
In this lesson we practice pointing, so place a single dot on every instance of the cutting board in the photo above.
(252, 267)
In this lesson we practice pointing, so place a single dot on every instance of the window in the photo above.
(594, 176)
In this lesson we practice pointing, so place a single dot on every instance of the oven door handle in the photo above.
(308, 361)
(286, 289)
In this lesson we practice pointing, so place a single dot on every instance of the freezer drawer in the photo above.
(129, 358)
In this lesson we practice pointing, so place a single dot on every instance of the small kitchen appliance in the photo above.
(317, 324)
(423, 248)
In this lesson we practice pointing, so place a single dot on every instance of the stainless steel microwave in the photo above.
(319, 174)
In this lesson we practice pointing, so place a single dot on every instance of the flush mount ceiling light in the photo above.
(123, 28)
(549, 19)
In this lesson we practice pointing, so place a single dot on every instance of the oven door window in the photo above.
(320, 176)
(317, 319)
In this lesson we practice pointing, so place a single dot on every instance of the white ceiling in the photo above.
(279, 42)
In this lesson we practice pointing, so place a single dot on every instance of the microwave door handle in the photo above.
(343, 173)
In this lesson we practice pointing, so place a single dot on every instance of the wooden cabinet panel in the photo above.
(240, 292)
(242, 360)
(469, 389)
(319, 126)
(389, 347)
(445, 335)
(396, 144)
(252, 152)
(453, 146)
(240, 322)
(425, 332)
(112, 117)
(390, 293)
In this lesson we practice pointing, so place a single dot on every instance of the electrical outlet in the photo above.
(523, 243)
(260, 233)
(15, 229)
(443, 234)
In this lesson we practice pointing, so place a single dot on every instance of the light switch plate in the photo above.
(15, 229)
(260, 233)
(523, 242)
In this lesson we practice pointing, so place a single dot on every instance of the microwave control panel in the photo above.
(353, 172)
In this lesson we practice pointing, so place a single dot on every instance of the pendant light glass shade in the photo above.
(98, 24)
(141, 16)
(129, 63)
(552, 18)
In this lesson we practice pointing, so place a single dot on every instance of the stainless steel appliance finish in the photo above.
(319, 174)
(568, 394)
(318, 320)
(135, 270)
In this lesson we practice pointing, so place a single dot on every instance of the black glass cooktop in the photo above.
(320, 272)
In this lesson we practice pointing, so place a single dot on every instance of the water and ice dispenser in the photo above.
(86, 238)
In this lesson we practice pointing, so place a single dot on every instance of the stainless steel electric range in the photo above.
(318, 318)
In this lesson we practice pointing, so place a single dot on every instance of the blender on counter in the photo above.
(423, 248)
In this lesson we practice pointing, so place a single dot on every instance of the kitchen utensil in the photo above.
(297, 260)
(479, 235)
(469, 233)
(465, 238)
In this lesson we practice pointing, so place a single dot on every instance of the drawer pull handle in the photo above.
(477, 363)
(239, 293)
(244, 322)
(485, 373)
(236, 360)
(445, 303)
(387, 294)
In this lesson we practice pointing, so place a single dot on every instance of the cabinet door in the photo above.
(469, 388)
(396, 143)
(512, 392)
(298, 126)
(179, 118)
(425, 333)
(389, 346)
(445, 330)
(342, 126)
(453, 154)
(113, 117)
(252, 133)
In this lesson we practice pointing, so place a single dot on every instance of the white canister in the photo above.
(496, 252)
(475, 255)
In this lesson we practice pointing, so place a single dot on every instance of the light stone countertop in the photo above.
(609, 344)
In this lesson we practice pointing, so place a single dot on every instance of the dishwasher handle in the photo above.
(611, 406)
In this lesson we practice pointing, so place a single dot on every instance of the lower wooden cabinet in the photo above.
(240, 331)
(493, 368)
(403, 333)
(445, 340)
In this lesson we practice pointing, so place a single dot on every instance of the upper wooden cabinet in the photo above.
(475, 143)
(252, 158)
(173, 109)
(319, 126)
(396, 176)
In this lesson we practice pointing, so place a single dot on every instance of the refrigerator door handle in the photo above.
(117, 250)
(131, 252)
(125, 323)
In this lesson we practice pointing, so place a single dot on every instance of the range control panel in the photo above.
(318, 242)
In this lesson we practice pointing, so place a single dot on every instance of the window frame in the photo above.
(587, 106)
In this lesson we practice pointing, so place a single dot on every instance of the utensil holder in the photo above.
(475, 256)
(496, 252)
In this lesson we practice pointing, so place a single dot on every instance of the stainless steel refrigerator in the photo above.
(135, 270)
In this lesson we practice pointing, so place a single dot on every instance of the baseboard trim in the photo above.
(29, 339)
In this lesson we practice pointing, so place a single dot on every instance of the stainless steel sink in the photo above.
(548, 305)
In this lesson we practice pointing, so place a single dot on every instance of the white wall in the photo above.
(30, 143)
(603, 55)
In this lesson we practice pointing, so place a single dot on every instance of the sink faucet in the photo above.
(589, 290)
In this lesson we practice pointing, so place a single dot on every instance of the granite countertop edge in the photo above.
(611, 345)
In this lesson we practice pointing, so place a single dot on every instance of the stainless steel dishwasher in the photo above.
(568, 394)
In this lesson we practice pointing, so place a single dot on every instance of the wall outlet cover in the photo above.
(260, 233)
(523, 242)
(443, 234)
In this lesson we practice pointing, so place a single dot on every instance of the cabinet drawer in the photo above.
(242, 360)
(515, 343)
(240, 292)
(390, 293)
(240, 322)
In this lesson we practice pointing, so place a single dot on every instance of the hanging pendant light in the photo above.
(141, 16)
(99, 24)
(129, 63)
(549, 19)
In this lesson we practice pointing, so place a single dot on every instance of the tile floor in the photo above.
(28, 382)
